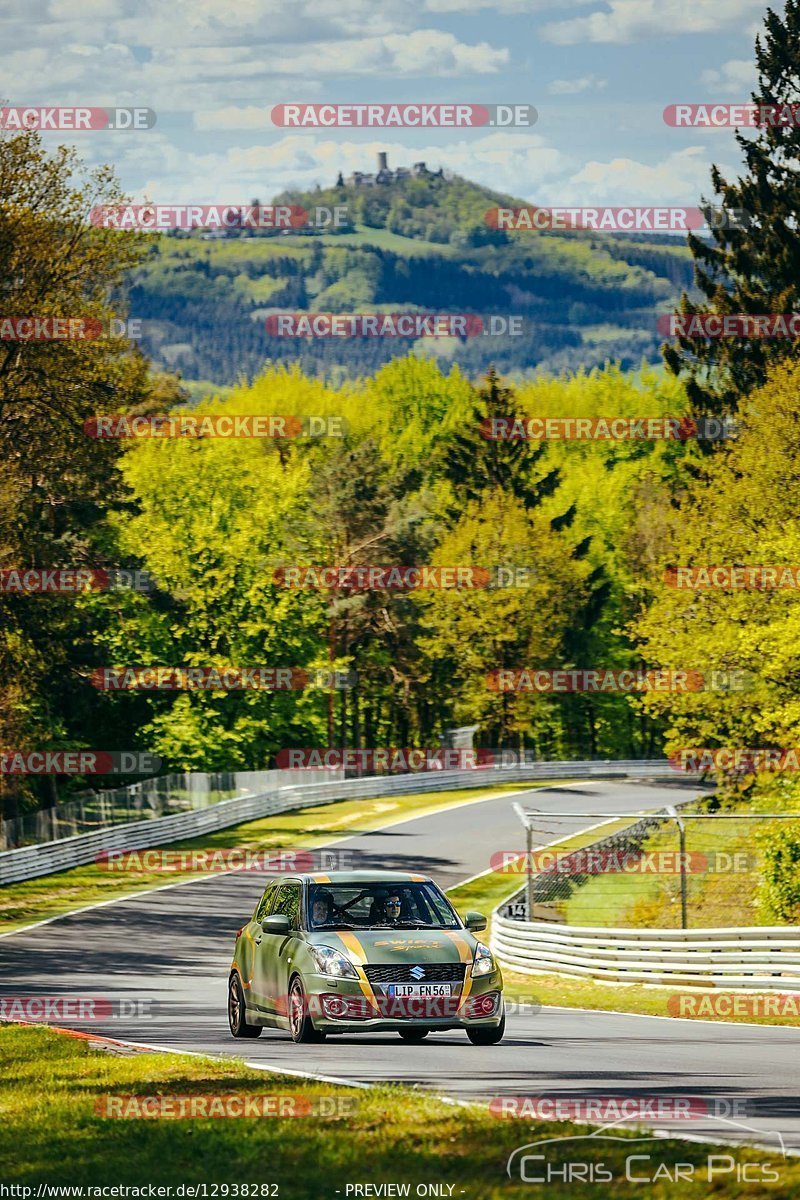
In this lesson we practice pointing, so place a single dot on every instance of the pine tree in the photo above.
(753, 263)
(476, 462)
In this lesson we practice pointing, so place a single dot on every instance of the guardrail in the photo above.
(30, 862)
(147, 800)
(747, 957)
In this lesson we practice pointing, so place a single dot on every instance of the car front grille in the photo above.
(401, 973)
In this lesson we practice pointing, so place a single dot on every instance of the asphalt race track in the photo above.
(173, 947)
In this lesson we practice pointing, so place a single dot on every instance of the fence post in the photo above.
(529, 869)
(684, 917)
(673, 813)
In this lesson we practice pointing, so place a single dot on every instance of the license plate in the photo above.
(419, 989)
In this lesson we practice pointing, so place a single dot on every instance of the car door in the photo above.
(274, 954)
(252, 947)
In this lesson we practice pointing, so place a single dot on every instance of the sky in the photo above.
(599, 73)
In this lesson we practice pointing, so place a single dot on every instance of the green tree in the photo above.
(57, 484)
(752, 264)
(742, 510)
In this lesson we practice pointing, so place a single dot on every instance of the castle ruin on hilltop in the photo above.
(385, 175)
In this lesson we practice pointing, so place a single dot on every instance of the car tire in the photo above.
(413, 1035)
(483, 1035)
(301, 1026)
(237, 1014)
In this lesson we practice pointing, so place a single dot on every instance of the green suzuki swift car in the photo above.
(363, 952)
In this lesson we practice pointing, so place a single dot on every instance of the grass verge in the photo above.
(725, 872)
(52, 1132)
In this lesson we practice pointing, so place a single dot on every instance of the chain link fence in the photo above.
(666, 870)
(151, 798)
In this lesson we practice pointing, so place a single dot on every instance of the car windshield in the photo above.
(378, 906)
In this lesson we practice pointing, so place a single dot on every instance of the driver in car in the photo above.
(391, 909)
(322, 909)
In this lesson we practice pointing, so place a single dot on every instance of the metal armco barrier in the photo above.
(29, 862)
(749, 957)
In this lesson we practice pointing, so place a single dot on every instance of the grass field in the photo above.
(725, 867)
(56, 1090)
(364, 236)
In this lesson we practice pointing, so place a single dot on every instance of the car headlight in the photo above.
(330, 962)
(483, 962)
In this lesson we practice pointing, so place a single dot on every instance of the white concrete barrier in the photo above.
(747, 957)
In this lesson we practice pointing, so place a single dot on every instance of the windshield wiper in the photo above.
(409, 925)
(336, 925)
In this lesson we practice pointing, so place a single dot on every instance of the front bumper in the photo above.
(345, 1006)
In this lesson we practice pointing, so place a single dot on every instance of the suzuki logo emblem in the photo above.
(417, 972)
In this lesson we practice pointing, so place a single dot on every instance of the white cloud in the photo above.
(233, 117)
(499, 6)
(679, 179)
(423, 52)
(513, 163)
(734, 78)
(632, 20)
(198, 78)
(573, 87)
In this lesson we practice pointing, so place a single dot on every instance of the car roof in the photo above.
(363, 877)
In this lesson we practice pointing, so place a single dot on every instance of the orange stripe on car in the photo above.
(321, 878)
(351, 942)
(465, 954)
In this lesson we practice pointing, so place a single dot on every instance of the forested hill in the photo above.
(417, 243)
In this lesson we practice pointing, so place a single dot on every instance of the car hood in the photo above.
(387, 946)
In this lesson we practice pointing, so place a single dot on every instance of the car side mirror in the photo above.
(475, 921)
(277, 923)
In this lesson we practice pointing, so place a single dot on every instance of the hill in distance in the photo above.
(414, 242)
